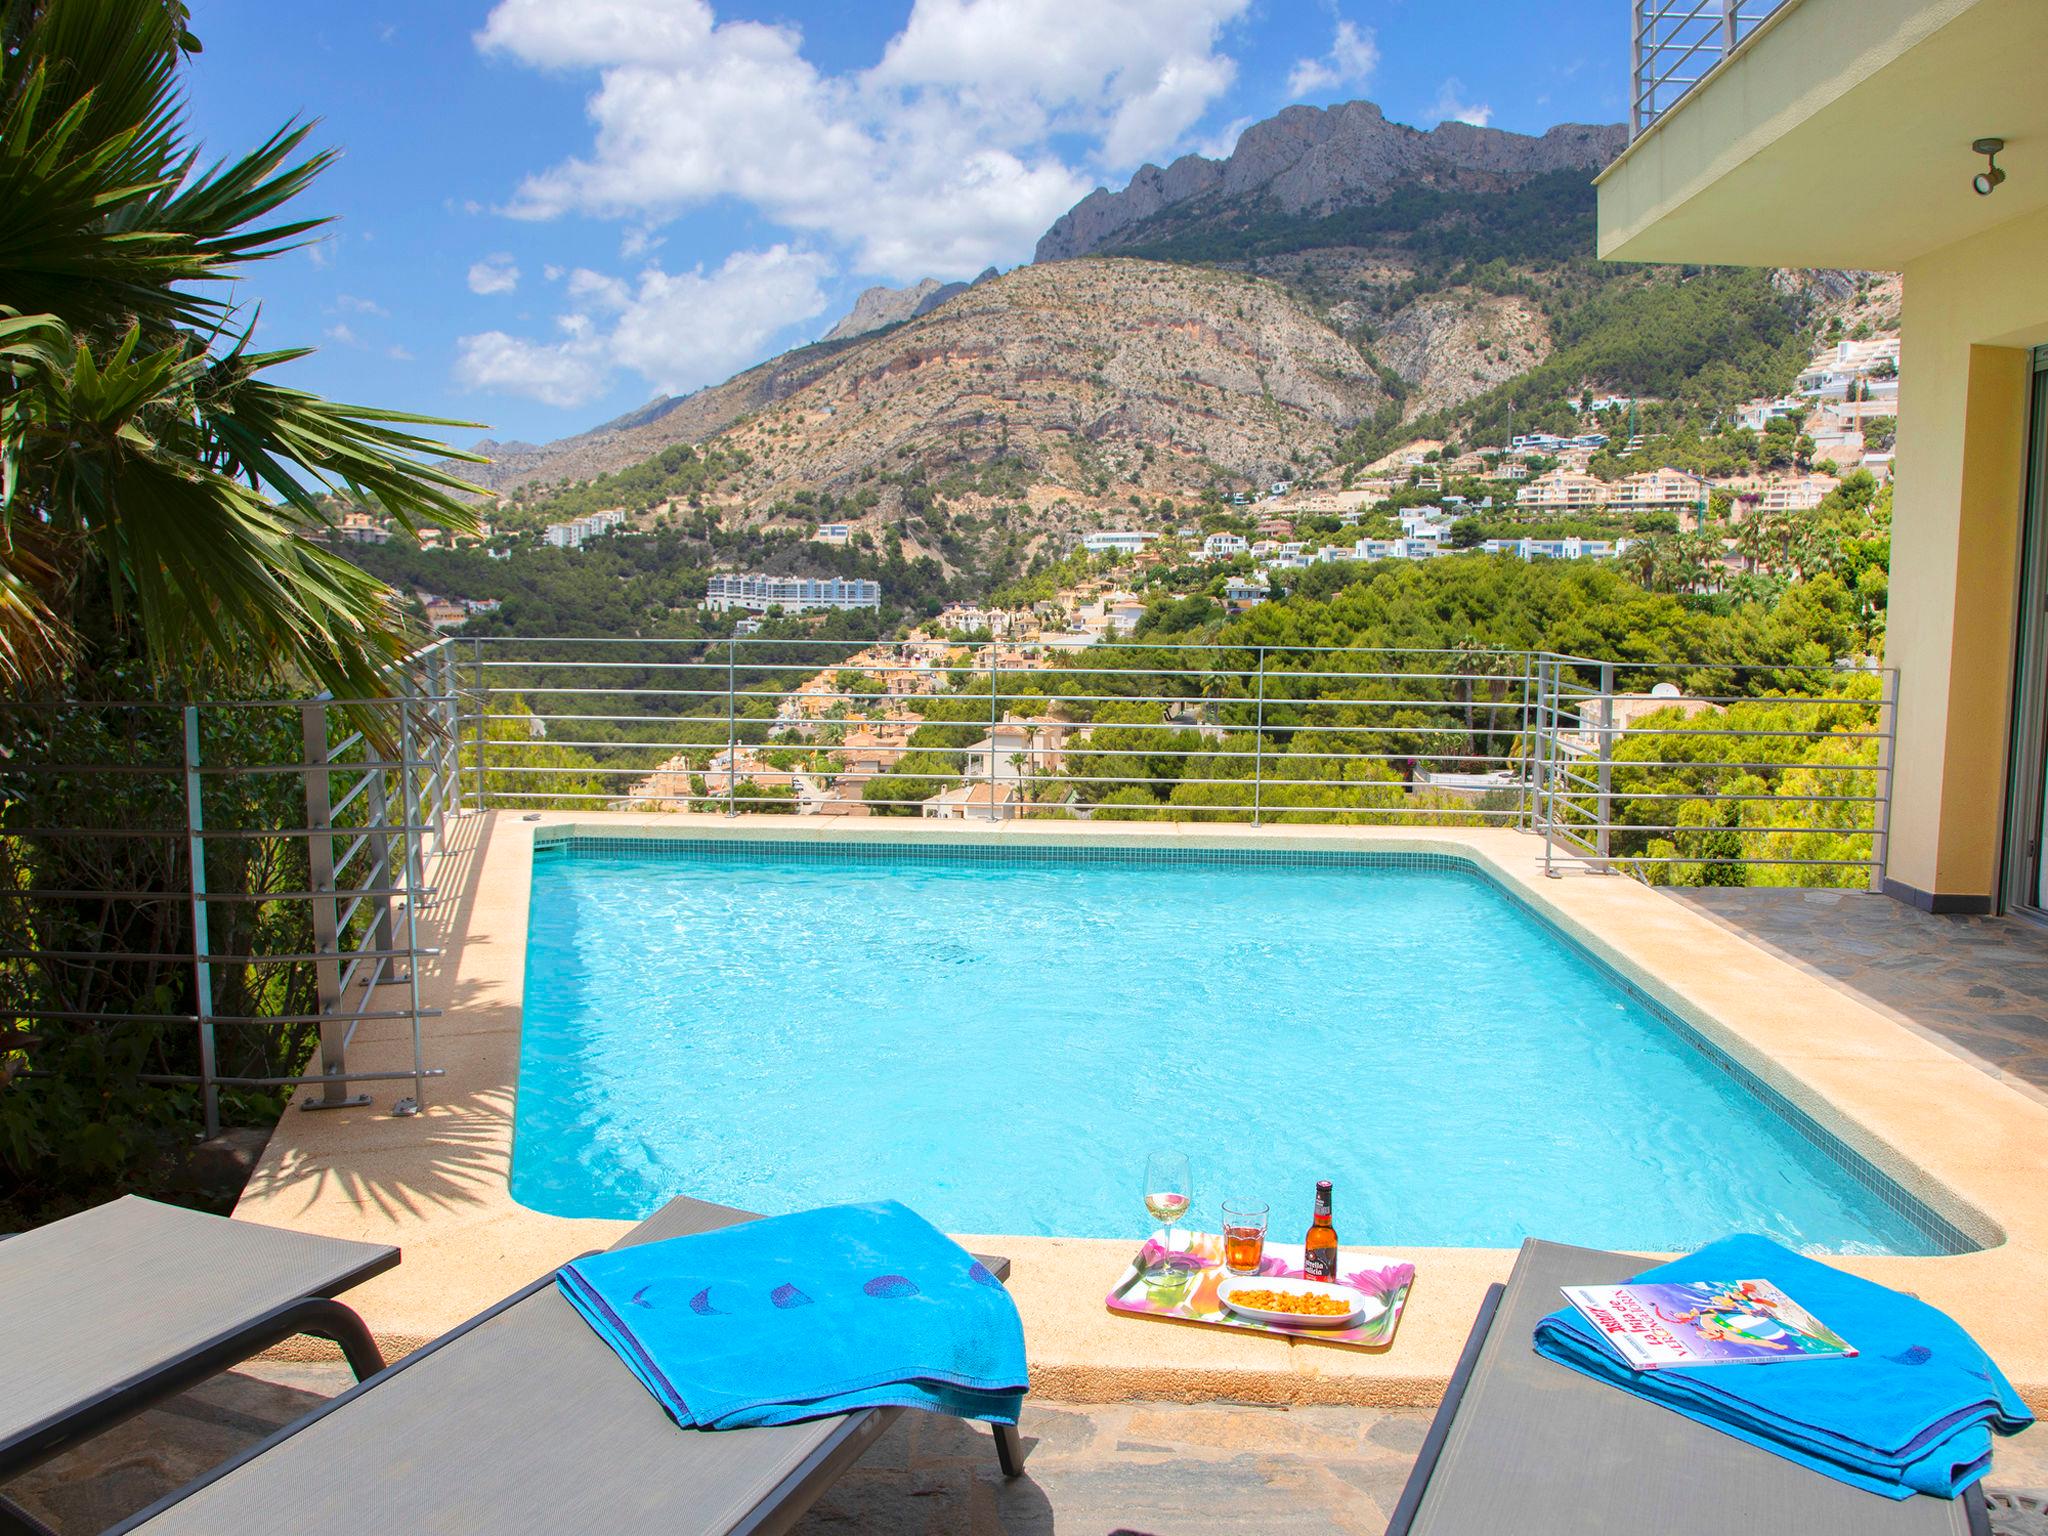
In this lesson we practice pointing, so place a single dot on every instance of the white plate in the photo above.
(1363, 1309)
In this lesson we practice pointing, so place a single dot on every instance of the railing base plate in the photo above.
(353, 1101)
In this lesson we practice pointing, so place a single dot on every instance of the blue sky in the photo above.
(550, 211)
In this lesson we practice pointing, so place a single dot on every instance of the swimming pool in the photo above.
(998, 1037)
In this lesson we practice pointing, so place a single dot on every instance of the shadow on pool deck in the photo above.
(1173, 1469)
(1976, 984)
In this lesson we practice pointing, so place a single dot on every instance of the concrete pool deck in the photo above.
(1973, 1149)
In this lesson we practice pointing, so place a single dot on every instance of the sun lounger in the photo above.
(1523, 1444)
(108, 1311)
(523, 1420)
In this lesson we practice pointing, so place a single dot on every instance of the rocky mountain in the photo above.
(1313, 160)
(880, 306)
(1082, 380)
(652, 427)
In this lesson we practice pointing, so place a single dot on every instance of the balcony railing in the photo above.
(252, 868)
(1675, 44)
(1697, 773)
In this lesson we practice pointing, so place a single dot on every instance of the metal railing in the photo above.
(1675, 44)
(1794, 780)
(1779, 772)
(254, 869)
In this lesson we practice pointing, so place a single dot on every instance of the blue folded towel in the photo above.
(799, 1317)
(1912, 1412)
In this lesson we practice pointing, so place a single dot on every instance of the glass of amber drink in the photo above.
(1244, 1236)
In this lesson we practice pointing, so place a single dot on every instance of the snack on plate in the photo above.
(1303, 1304)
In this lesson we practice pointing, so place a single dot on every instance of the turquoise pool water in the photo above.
(999, 1042)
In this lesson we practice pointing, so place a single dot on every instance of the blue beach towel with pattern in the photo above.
(800, 1317)
(1913, 1411)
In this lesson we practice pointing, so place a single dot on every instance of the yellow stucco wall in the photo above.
(1972, 312)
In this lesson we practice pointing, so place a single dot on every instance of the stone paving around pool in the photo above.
(1164, 1469)
(1977, 984)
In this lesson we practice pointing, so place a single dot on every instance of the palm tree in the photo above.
(1643, 562)
(160, 491)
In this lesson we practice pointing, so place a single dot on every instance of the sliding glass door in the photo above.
(2026, 833)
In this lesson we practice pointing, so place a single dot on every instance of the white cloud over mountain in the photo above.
(1450, 106)
(982, 121)
(1354, 54)
(676, 330)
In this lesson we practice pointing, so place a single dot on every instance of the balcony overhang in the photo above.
(1838, 135)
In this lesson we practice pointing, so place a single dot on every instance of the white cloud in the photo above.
(355, 304)
(494, 274)
(601, 291)
(342, 336)
(1222, 143)
(944, 158)
(554, 374)
(676, 330)
(1450, 107)
(1354, 54)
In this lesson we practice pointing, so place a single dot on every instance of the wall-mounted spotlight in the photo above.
(1986, 182)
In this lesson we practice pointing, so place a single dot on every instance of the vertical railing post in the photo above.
(995, 666)
(1636, 72)
(413, 882)
(1259, 746)
(1730, 12)
(732, 723)
(382, 932)
(202, 965)
(437, 686)
(483, 710)
(1603, 838)
(1532, 740)
(1546, 747)
(1881, 787)
(317, 772)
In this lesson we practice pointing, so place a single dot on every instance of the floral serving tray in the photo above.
(1181, 1287)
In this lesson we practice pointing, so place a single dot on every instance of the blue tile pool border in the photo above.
(1940, 1233)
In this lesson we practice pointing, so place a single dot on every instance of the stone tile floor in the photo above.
(1980, 984)
(1164, 1469)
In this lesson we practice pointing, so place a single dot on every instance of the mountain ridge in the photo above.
(1307, 160)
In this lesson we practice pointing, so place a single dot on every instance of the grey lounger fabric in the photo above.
(522, 1421)
(107, 1310)
(1524, 1445)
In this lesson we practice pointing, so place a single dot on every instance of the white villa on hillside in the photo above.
(1117, 541)
(1557, 549)
(362, 528)
(578, 531)
(973, 802)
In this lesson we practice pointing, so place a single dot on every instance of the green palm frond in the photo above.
(142, 442)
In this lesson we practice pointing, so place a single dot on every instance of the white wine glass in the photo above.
(1169, 1192)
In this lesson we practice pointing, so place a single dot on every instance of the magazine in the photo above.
(1705, 1322)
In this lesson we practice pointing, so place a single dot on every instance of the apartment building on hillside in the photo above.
(789, 594)
(1564, 488)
